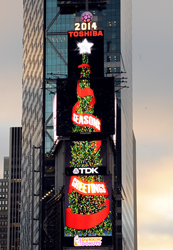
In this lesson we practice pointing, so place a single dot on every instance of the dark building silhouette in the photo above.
(14, 194)
(4, 188)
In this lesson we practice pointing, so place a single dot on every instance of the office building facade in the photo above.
(45, 59)
(14, 194)
(4, 188)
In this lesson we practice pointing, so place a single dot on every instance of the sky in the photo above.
(152, 109)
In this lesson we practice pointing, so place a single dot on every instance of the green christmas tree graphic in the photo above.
(84, 155)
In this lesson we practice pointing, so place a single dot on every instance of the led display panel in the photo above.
(91, 42)
(88, 219)
(85, 107)
(85, 157)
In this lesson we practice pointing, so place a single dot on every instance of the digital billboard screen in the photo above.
(88, 203)
(85, 157)
(93, 41)
(85, 106)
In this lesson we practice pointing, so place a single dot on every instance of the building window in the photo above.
(3, 183)
(0, 183)
(6, 183)
(6, 190)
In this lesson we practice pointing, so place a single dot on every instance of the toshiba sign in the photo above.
(88, 33)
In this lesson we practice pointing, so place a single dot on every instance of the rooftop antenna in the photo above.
(86, 5)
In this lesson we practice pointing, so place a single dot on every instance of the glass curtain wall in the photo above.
(32, 121)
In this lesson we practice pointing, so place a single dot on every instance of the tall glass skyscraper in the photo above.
(45, 59)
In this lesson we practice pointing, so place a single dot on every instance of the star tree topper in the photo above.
(85, 47)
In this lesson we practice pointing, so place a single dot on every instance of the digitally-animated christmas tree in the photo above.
(86, 154)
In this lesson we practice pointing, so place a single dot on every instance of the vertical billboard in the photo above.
(85, 105)
(88, 202)
(88, 219)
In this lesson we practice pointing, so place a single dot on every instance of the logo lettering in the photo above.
(85, 171)
(85, 33)
(87, 188)
(87, 241)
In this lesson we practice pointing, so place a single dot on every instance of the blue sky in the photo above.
(152, 113)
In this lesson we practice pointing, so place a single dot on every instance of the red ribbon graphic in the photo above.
(80, 221)
(82, 93)
(84, 65)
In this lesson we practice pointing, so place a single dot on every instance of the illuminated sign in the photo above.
(87, 188)
(100, 101)
(86, 120)
(85, 171)
(96, 58)
(85, 26)
(86, 33)
(85, 106)
(80, 160)
(88, 206)
(87, 241)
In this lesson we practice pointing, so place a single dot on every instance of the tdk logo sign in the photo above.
(85, 171)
